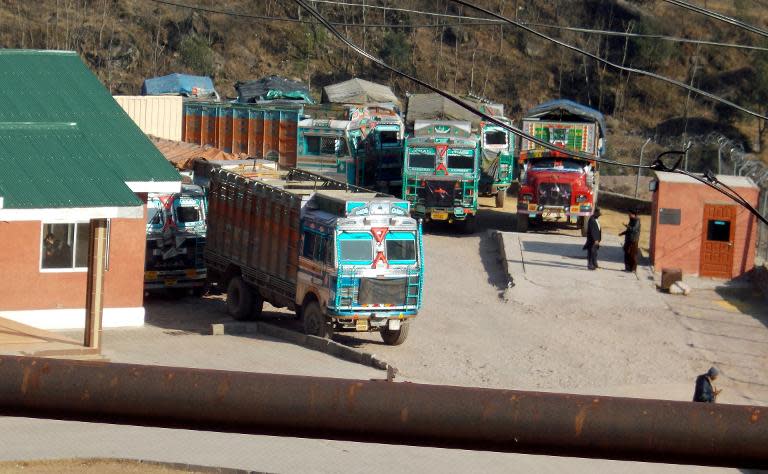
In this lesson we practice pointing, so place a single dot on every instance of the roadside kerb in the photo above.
(314, 343)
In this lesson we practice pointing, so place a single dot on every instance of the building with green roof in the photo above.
(69, 154)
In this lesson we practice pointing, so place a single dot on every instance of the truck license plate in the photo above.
(394, 324)
(361, 325)
(439, 216)
(170, 282)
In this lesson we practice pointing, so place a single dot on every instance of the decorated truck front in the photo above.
(441, 174)
(553, 184)
(176, 231)
(497, 160)
(343, 258)
(377, 145)
(323, 148)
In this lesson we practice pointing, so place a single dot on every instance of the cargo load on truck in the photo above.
(441, 174)
(176, 232)
(359, 91)
(342, 257)
(185, 85)
(554, 184)
(272, 90)
(497, 145)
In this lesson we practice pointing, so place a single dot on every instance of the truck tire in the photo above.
(314, 321)
(522, 223)
(239, 299)
(397, 337)
(469, 225)
(501, 196)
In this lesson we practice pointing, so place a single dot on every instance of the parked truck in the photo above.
(341, 257)
(553, 184)
(176, 232)
(441, 174)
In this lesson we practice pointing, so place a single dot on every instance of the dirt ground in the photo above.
(101, 466)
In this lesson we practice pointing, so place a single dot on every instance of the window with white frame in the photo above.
(64, 246)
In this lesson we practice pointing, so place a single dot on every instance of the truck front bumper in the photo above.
(190, 278)
(554, 211)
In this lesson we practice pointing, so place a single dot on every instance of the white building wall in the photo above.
(160, 115)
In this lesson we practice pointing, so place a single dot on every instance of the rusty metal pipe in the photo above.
(385, 412)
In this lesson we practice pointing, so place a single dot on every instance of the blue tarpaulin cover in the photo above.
(179, 84)
(570, 107)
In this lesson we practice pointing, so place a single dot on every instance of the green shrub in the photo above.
(196, 54)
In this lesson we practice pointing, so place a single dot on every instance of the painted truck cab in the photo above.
(497, 160)
(378, 150)
(324, 148)
(554, 184)
(176, 231)
(441, 172)
(362, 258)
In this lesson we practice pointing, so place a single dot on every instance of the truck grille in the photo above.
(439, 193)
(390, 291)
(554, 194)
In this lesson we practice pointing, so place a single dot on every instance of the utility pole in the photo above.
(640, 170)
(94, 298)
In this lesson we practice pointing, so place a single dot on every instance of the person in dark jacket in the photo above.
(704, 391)
(594, 235)
(631, 242)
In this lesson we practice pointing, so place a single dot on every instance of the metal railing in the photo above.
(386, 412)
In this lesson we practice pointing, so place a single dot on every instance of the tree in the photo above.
(196, 54)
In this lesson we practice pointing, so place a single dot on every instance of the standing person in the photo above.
(594, 235)
(704, 391)
(631, 242)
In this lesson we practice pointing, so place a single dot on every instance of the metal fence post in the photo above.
(640, 170)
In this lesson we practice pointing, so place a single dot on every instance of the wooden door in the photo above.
(717, 240)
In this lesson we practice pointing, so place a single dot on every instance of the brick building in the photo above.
(69, 154)
(701, 231)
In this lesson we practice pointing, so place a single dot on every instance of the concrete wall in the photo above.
(679, 246)
(25, 289)
(160, 116)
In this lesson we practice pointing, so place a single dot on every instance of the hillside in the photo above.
(125, 41)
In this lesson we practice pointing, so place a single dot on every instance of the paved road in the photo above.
(561, 328)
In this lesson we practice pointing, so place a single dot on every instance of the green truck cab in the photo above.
(441, 173)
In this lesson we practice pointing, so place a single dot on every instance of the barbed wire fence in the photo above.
(726, 156)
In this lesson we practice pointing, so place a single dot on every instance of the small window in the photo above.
(311, 145)
(496, 137)
(718, 231)
(64, 246)
(401, 250)
(461, 162)
(388, 138)
(421, 160)
(188, 214)
(309, 245)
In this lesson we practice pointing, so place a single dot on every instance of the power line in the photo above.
(613, 65)
(719, 16)
(708, 179)
(453, 99)
(475, 21)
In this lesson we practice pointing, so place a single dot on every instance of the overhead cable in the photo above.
(657, 166)
(641, 72)
(719, 16)
(471, 21)
(312, 11)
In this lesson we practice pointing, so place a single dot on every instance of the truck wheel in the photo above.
(469, 225)
(583, 224)
(501, 196)
(397, 337)
(314, 321)
(522, 223)
(239, 299)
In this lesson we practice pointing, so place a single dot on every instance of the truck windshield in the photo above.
(388, 137)
(154, 215)
(401, 247)
(461, 159)
(355, 247)
(557, 164)
(188, 214)
(496, 137)
(422, 160)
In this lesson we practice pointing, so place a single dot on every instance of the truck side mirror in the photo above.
(653, 185)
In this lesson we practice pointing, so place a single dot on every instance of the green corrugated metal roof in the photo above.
(51, 168)
(40, 93)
